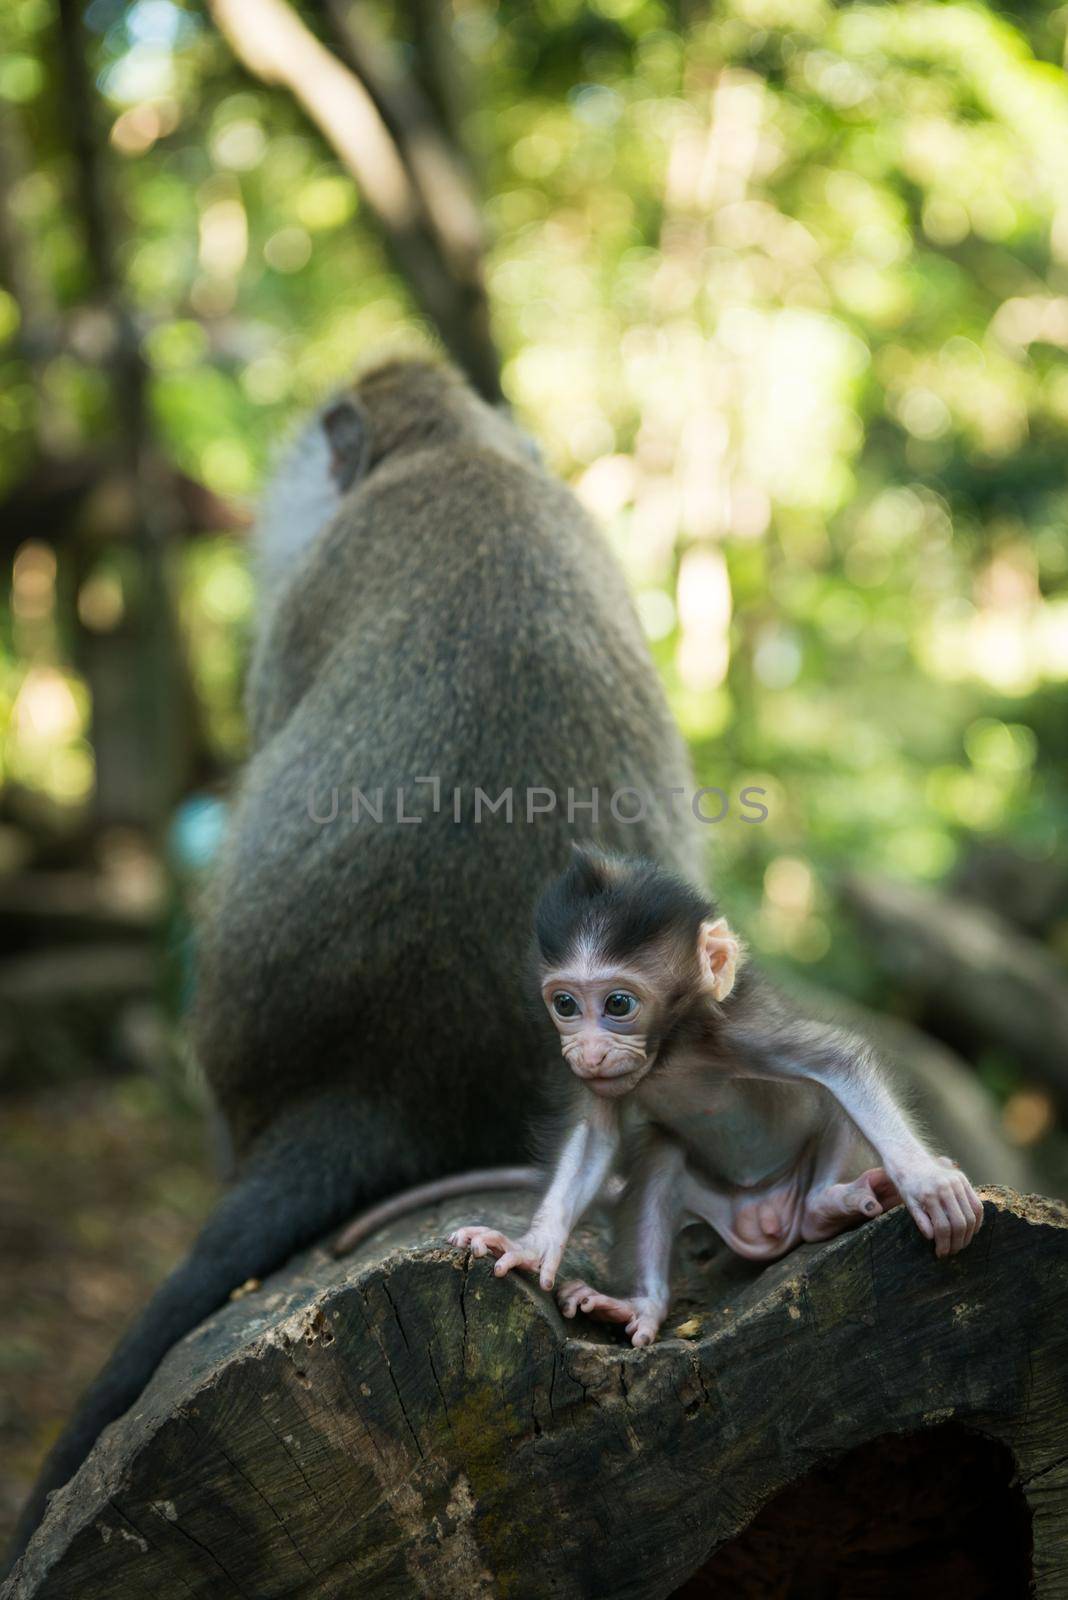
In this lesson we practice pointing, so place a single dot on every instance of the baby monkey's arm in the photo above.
(941, 1201)
(585, 1160)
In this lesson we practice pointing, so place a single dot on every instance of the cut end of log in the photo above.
(403, 1423)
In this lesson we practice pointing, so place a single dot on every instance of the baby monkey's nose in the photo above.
(593, 1051)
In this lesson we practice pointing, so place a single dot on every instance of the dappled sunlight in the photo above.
(782, 297)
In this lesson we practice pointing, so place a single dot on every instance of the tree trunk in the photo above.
(401, 1423)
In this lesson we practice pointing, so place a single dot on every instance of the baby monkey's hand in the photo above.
(942, 1203)
(532, 1253)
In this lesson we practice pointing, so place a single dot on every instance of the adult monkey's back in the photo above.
(435, 606)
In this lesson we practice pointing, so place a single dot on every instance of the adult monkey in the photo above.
(435, 606)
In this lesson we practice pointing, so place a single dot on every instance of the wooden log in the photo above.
(401, 1423)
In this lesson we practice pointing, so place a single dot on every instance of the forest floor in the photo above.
(102, 1187)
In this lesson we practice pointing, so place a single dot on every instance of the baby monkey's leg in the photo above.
(836, 1201)
(836, 1207)
(647, 1223)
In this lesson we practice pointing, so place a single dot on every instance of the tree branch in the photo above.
(436, 171)
(415, 191)
(979, 978)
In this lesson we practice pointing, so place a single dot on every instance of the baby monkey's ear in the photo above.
(719, 953)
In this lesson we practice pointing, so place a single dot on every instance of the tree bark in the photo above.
(402, 1423)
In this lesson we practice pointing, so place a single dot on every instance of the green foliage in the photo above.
(783, 290)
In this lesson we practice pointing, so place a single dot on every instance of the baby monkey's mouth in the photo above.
(614, 1078)
(611, 1088)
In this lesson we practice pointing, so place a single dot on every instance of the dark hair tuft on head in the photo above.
(619, 903)
(587, 870)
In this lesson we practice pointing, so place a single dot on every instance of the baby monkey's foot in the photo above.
(845, 1205)
(641, 1317)
(529, 1254)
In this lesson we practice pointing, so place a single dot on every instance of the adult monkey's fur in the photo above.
(434, 605)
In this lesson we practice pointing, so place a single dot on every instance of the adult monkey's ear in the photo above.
(349, 437)
(720, 953)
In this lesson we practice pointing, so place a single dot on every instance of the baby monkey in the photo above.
(709, 1093)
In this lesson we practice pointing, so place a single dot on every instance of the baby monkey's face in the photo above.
(611, 1016)
(603, 1015)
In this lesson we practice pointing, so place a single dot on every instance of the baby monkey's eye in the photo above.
(620, 1004)
(565, 1005)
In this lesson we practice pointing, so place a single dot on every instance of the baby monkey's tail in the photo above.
(433, 1193)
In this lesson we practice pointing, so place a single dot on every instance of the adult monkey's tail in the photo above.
(318, 1162)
